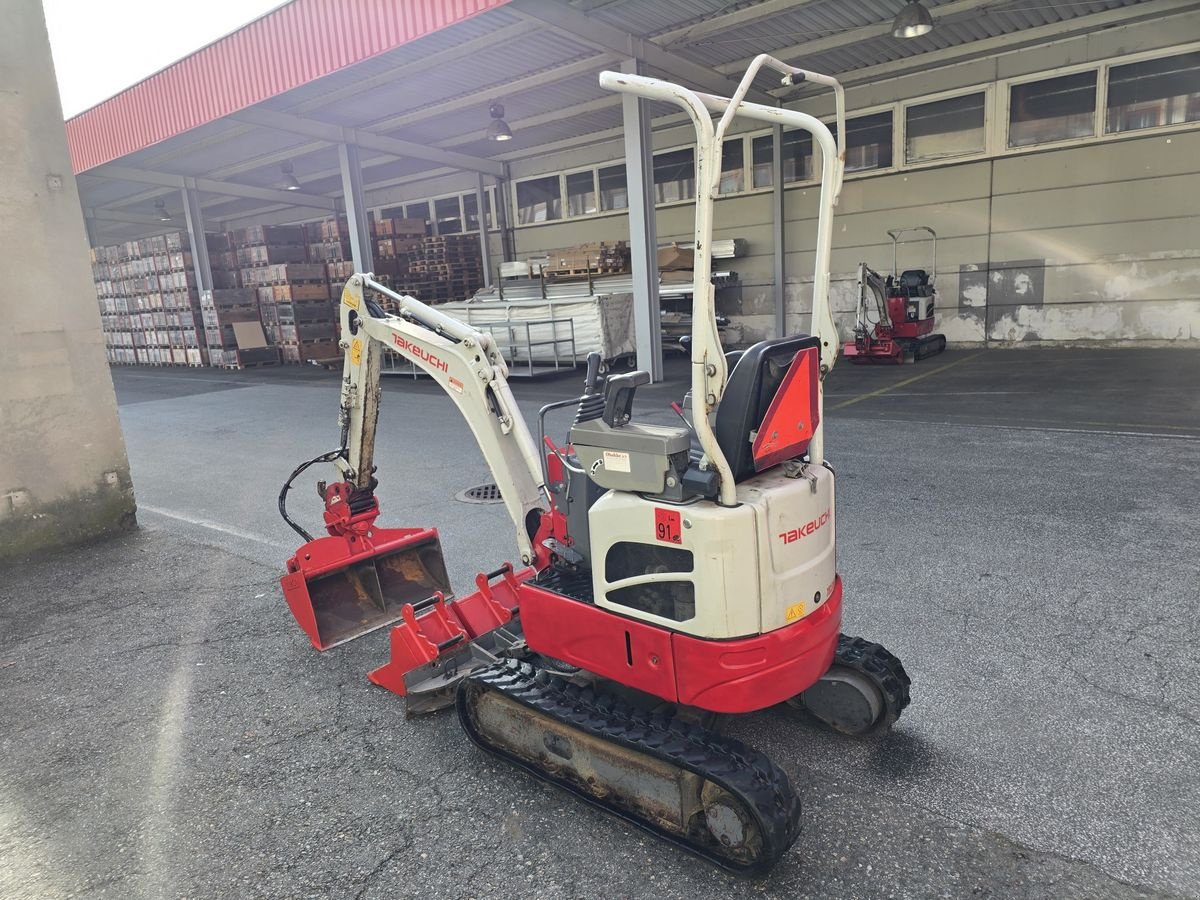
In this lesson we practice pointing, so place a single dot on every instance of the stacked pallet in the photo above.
(432, 269)
(449, 267)
(233, 329)
(149, 306)
(222, 261)
(593, 258)
(396, 242)
(333, 249)
(293, 295)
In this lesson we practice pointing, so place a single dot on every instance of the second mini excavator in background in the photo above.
(668, 576)
(896, 314)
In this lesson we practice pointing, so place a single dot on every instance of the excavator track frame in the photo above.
(737, 809)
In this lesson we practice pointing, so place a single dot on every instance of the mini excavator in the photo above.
(901, 326)
(668, 576)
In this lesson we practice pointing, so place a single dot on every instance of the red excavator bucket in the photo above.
(342, 587)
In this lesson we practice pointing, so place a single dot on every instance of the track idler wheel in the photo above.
(862, 694)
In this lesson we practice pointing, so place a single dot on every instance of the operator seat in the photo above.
(915, 282)
(755, 379)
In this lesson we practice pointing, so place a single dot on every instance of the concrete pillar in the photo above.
(778, 269)
(64, 476)
(356, 208)
(643, 237)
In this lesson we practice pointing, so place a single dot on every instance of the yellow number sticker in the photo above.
(356, 351)
(794, 612)
(349, 298)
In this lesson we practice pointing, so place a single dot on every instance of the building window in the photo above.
(581, 193)
(471, 211)
(733, 166)
(868, 142)
(538, 200)
(1055, 109)
(674, 176)
(419, 211)
(614, 191)
(762, 155)
(797, 158)
(944, 129)
(449, 215)
(1153, 93)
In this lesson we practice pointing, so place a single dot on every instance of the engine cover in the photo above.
(718, 572)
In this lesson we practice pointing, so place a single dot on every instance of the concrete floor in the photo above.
(1020, 527)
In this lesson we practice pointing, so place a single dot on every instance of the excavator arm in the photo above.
(467, 364)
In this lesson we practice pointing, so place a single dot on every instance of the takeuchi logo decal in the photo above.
(795, 534)
(420, 353)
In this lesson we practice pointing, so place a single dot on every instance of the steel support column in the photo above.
(485, 247)
(356, 208)
(195, 226)
(778, 269)
(643, 237)
(504, 194)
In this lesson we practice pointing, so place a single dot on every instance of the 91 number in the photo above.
(667, 526)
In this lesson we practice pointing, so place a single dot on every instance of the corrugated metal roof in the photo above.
(815, 22)
(650, 19)
(289, 46)
(415, 80)
(485, 77)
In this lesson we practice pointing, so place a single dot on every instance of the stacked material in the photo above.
(149, 307)
(594, 258)
(432, 269)
(292, 294)
(222, 261)
(233, 329)
(333, 249)
(396, 240)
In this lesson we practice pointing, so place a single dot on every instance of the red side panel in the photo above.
(754, 673)
(793, 416)
(584, 635)
(415, 641)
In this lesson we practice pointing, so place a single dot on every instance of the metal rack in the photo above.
(516, 340)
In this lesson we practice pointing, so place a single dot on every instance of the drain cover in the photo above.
(482, 493)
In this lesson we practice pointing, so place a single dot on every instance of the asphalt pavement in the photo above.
(1020, 527)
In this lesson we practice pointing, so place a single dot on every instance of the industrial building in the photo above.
(604, 631)
(1050, 145)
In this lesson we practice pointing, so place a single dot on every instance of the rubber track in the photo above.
(883, 668)
(746, 773)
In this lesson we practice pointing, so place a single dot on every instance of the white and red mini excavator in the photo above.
(667, 576)
(896, 314)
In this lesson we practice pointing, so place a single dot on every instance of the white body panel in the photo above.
(756, 567)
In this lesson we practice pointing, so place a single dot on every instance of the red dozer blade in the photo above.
(344, 586)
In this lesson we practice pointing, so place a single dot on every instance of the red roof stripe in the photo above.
(288, 47)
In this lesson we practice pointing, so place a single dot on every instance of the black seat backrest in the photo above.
(914, 283)
(752, 386)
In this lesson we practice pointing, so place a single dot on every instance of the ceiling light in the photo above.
(288, 182)
(912, 21)
(160, 207)
(498, 129)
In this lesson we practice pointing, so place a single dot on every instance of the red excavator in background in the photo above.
(900, 328)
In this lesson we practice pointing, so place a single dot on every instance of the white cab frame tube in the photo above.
(709, 370)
